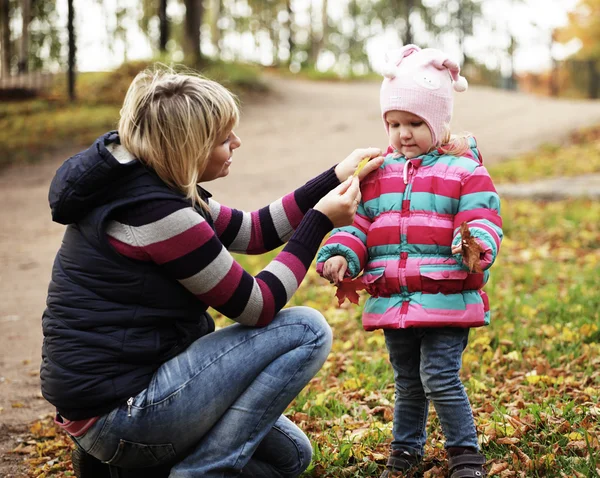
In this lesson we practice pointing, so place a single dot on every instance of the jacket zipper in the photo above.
(129, 404)
(408, 171)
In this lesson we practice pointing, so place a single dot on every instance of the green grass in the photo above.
(533, 375)
(581, 156)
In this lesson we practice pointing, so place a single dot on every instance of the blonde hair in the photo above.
(455, 145)
(172, 120)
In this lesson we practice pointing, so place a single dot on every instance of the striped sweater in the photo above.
(196, 253)
(401, 238)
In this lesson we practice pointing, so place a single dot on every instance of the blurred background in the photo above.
(77, 55)
(307, 73)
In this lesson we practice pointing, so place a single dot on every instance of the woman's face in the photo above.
(409, 134)
(220, 158)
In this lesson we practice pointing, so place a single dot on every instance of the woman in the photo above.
(131, 359)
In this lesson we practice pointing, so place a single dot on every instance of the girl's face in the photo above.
(409, 134)
(221, 156)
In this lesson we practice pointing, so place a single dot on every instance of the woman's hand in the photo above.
(335, 269)
(347, 167)
(340, 204)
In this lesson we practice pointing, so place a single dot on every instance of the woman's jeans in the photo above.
(426, 364)
(216, 409)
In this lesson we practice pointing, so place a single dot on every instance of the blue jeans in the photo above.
(216, 409)
(426, 364)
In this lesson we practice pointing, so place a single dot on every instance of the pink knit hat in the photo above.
(421, 82)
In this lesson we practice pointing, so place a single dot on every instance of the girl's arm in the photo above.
(270, 227)
(173, 235)
(479, 207)
(349, 242)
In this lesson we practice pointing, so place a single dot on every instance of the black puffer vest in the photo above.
(110, 322)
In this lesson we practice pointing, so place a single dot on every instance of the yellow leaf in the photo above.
(573, 436)
(351, 384)
(361, 165)
(476, 385)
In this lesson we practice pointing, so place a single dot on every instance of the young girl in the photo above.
(131, 359)
(406, 240)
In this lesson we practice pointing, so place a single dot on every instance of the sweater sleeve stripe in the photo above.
(280, 220)
(276, 288)
(292, 210)
(181, 245)
(220, 216)
(207, 278)
(295, 265)
(236, 283)
(186, 266)
(268, 306)
(269, 233)
(167, 227)
(229, 234)
(244, 234)
(256, 312)
(128, 250)
(285, 275)
(256, 241)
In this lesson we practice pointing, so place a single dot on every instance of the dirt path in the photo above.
(295, 133)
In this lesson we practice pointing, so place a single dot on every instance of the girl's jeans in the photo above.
(215, 409)
(426, 364)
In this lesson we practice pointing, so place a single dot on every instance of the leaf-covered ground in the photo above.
(533, 375)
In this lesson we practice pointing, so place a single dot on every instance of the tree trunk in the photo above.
(554, 68)
(6, 46)
(291, 43)
(215, 32)
(164, 26)
(319, 40)
(71, 33)
(24, 44)
(408, 38)
(193, 21)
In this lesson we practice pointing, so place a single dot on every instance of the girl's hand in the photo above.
(335, 269)
(457, 249)
(340, 204)
(348, 166)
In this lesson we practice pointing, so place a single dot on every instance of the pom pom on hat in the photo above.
(461, 84)
(389, 70)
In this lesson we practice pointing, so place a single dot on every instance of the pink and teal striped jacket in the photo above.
(401, 238)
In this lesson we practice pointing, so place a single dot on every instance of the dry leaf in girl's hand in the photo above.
(348, 289)
(471, 250)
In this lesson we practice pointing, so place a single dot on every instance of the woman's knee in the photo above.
(315, 322)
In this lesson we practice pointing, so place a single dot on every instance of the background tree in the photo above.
(71, 54)
(584, 25)
(5, 45)
(163, 26)
(23, 63)
(194, 12)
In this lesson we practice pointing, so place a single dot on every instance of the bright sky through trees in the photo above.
(530, 21)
